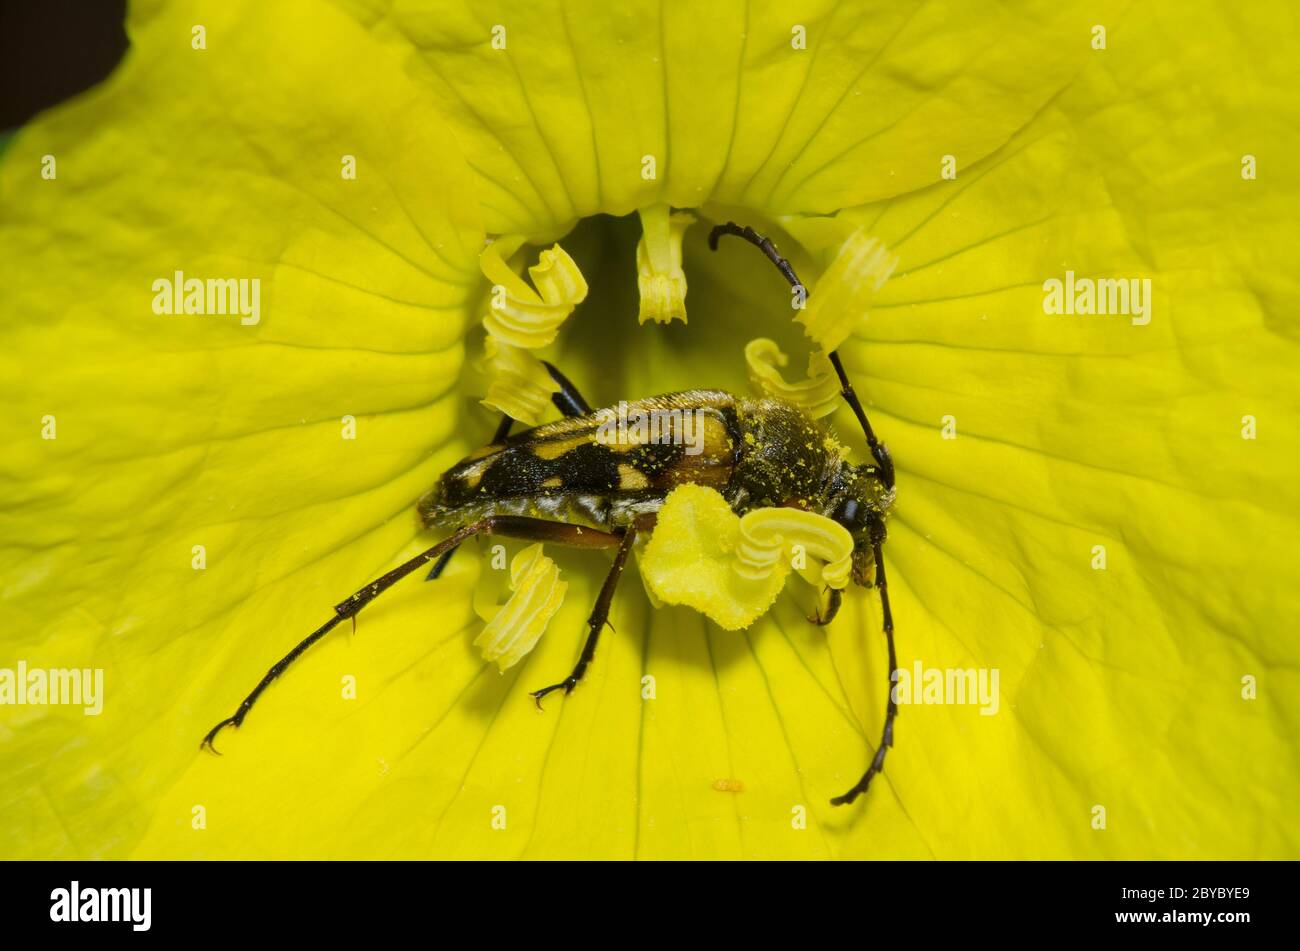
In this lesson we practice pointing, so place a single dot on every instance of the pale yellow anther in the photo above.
(731, 569)
(826, 545)
(757, 558)
(537, 594)
(659, 274)
(516, 313)
(845, 292)
(518, 384)
(520, 318)
(818, 395)
(557, 278)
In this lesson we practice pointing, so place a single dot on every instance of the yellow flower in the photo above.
(1079, 508)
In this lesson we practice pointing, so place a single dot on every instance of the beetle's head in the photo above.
(860, 503)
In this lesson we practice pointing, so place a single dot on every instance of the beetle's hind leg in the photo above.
(509, 526)
(600, 613)
(567, 400)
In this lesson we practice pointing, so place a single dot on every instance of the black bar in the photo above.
(916, 902)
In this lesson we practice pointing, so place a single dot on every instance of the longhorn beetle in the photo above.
(558, 483)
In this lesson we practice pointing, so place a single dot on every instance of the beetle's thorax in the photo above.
(784, 458)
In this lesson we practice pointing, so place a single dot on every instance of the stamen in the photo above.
(660, 278)
(520, 318)
(846, 291)
(537, 595)
(826, 545)
(518, 384)
(818, 395)
(519, 315)
(730, 568)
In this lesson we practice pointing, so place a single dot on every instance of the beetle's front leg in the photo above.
(891, 706)
(600, 613)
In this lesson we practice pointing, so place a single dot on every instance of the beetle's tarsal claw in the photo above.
(566, 685)
(212, 734)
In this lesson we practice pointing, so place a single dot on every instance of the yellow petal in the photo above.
(203, 504)
(576, 111)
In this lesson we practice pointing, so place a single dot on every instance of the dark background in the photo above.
(51, 50)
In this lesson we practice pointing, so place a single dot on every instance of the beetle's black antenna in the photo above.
(763, 244)
(878, 450)
(567, 399)
(344, 609)
(509, 526)
(891, 708)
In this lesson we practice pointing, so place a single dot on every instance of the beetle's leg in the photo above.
(878, 450)
(832, 608)
(891, 708)
(440, 565)
(503, 429)
(600, 613)
(567, 400)
(510, 526)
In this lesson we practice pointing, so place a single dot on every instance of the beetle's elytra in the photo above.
(562, 483)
